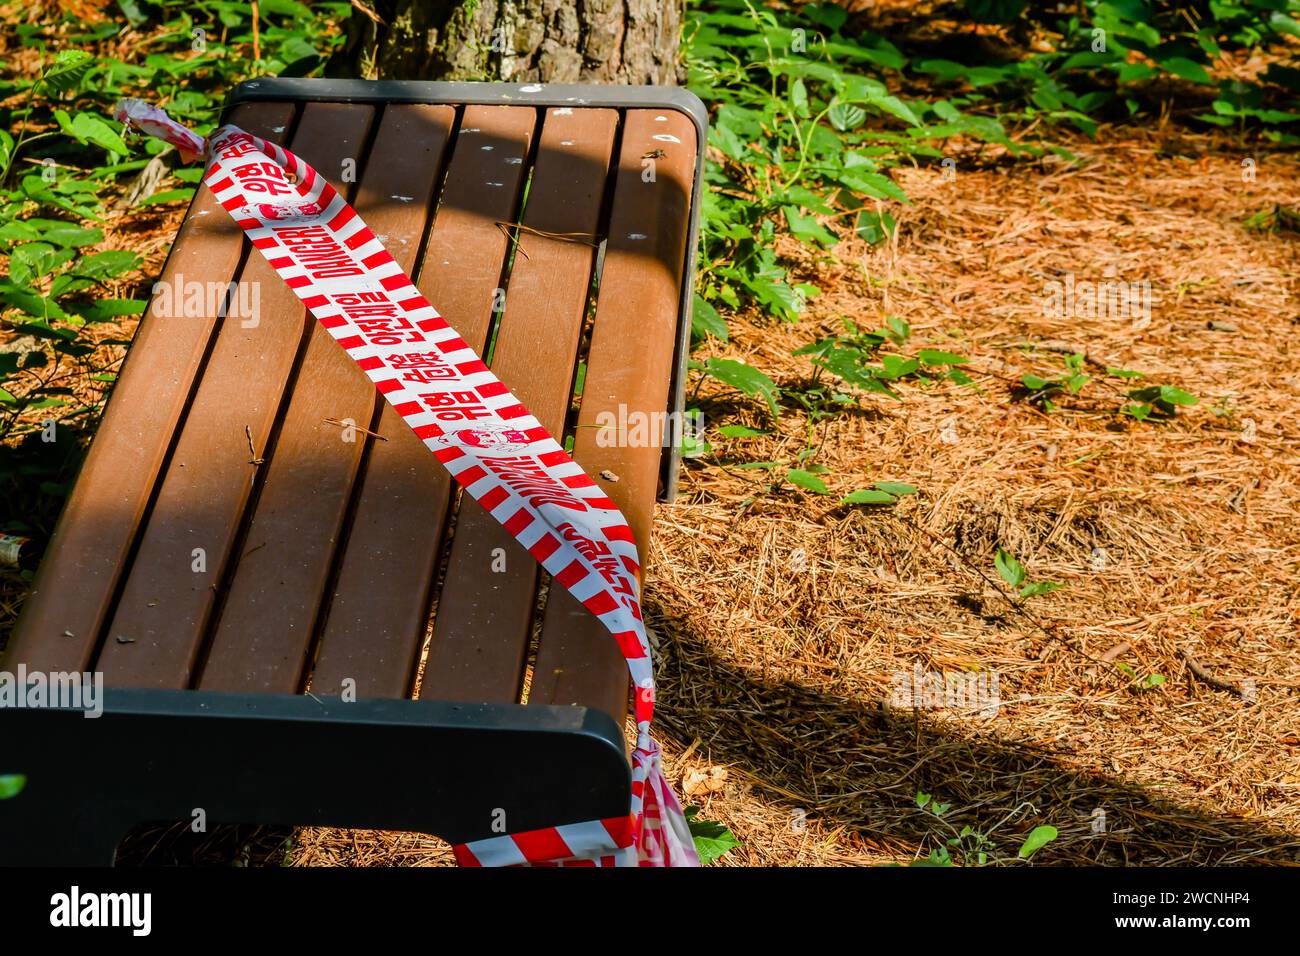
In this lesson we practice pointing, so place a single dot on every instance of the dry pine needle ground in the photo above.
(782, 618)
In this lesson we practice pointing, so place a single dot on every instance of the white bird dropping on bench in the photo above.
(492, 445)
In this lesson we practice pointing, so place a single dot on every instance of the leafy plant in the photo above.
(11, 784)
(744, 377)
(1149, 682)
(1013, 573)
(1117, 57)
(969, 846)
(803, 133)
(881, 493)
(712, 839)
(1157, 401)
(64, 163)
(855, 359)
(1071, 382)
(1149, 402)
(1038, 838)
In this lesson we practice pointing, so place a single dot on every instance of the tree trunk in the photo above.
(518, 41)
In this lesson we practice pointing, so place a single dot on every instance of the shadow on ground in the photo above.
(858, 765)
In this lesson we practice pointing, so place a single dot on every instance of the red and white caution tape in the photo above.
(492, 445)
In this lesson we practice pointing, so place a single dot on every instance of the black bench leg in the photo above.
(447, 769)
(55, 834)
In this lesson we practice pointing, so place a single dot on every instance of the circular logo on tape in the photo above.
(491, 438)
(279, 212)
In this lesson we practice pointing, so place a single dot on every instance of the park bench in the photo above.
(295, 619)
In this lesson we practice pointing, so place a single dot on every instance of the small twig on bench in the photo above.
(1201, 674)
(358, 5)
(257, 34)
(587, 239)
(364, 431)
(253, 459)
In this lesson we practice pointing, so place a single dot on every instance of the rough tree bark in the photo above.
(546, 41)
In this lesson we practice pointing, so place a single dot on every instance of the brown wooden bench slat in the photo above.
(265, 632)
(380, 607)
(162, 616)
(485, 616)
(80, 573)
(629, 364)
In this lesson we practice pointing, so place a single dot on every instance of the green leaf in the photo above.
(895, 488)
(746, 378)
(132, 11)
(107, 310)
(807, 481)
(286, 8)
(894, 367)
(1011, 570)
(65, 233)
(1040, 587)
(11, 784)
(706, 321)
(67, 71)
(875, 227)
(936, 357)
(869, 496)
(1283, 24)
(895, 107)
(89, 128)
(1186, 69)
(35, 260)
(1038, 838)
(17, 231)
(1176, 396)
(807, 228)
(739, 431)
(92, 129)
(1135, 72)
(899, 330)
(875, 185)
(6, 149)
(846, 116)
(185, 194)
(712, 839)
(30, 302)
(107, 265)
(799, 98)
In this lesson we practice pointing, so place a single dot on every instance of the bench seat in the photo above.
(277, 580)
